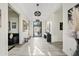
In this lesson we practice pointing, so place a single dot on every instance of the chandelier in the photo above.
(37, 13)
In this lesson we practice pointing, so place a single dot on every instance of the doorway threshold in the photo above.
(11, 47)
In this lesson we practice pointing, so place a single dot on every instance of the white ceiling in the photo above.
(45, 8)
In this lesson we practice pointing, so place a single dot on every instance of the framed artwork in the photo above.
(9, 28)
(61, 25)
(13, 25)
(0, 18)
(24, 25)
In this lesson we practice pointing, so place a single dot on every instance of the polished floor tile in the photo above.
(38, 47)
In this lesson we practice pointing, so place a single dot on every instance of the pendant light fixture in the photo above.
(37, 13)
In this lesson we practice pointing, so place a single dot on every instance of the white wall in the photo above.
(55, 18)
(13, 17)
(57, 33)
(69, 43)
(22, 16)
(25, 33)
(4, 29)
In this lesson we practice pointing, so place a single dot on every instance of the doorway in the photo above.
(37, 28)
(13, 28)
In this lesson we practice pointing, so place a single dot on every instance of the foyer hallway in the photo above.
(37, 47)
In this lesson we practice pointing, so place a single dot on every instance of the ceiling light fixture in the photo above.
(37, 13)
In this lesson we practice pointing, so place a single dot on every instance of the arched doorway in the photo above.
(37, 28)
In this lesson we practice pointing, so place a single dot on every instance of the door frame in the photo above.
(41, 29)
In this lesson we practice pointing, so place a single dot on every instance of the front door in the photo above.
(37, 28)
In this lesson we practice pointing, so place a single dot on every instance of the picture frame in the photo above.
(24, 25)
(13, 25)
(61, 25)
(0, 17)
(9, 26)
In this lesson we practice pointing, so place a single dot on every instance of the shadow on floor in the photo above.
(58, 44)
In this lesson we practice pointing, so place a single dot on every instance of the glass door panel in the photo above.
(37, 28)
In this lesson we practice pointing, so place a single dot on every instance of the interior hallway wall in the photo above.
(22, 16)
(69, 43)
(4, 29)
(56, 18)
(58, 34)
(23, 34)
(13, 17)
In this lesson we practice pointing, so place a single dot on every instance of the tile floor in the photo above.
(37, 47)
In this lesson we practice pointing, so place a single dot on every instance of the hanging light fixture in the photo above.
(37, 13)
(37, 4)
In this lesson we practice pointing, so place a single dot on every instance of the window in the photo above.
(13, 25)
